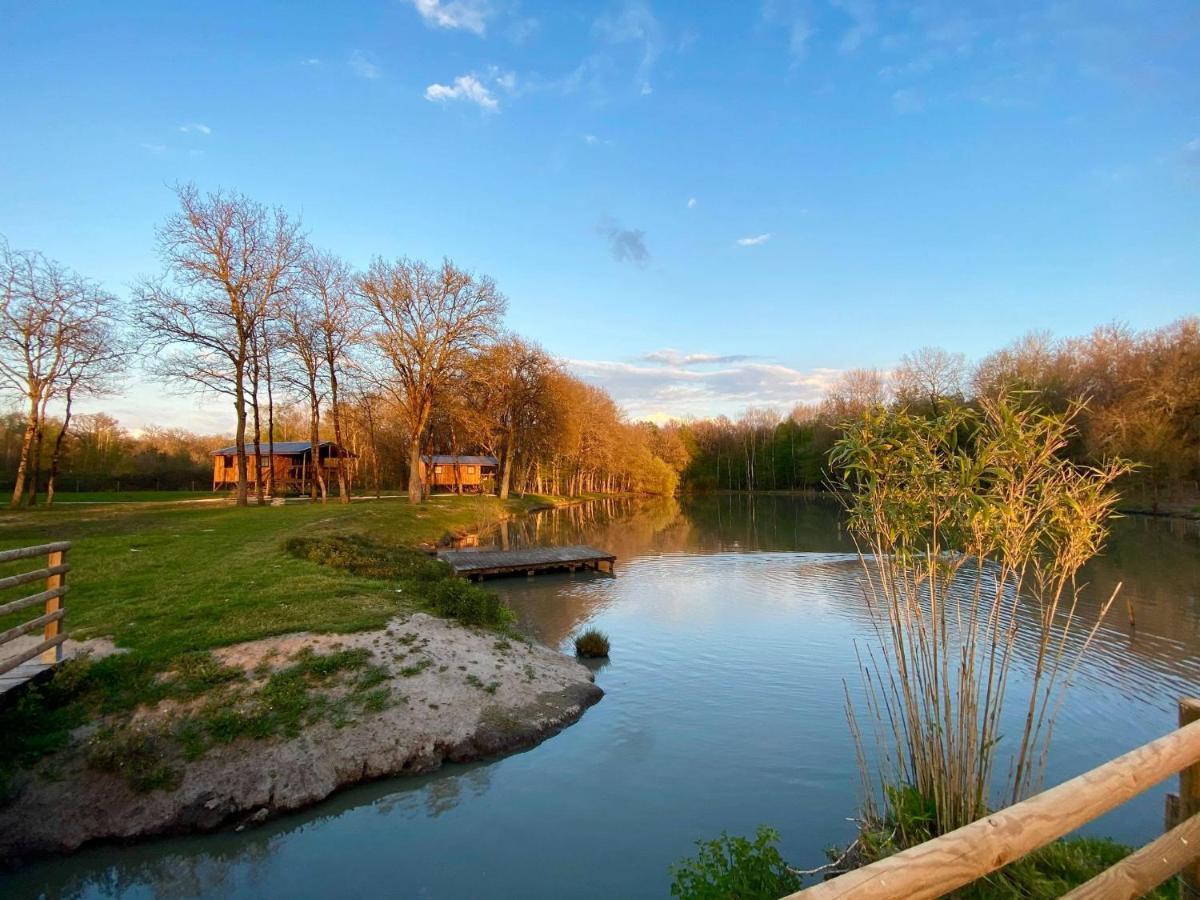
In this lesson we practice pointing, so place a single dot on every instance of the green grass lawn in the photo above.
(133, 496)
(163, 579)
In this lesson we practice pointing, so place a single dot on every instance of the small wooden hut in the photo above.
(468, 474)
(286, 468)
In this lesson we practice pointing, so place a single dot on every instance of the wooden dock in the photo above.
(479, 563)
(27, 657)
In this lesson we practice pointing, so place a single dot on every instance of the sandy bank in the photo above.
(456, 694)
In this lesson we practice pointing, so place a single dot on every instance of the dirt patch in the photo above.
(455, 694)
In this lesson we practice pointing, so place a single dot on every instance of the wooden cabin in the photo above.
(293, 466)
(470, 474)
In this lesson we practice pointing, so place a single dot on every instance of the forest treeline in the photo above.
(403, 359)
(1137, 396)
(396, 361)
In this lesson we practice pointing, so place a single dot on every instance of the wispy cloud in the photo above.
(634, 23)
(362, 66)
(670, 357)
(311, 61)
(465, 15)
(625, 244)
(793, 16)
(155, 148)
(662, 385)
(1191, 156)
(466, 88)
(595, 141)
(754, 240)
(907, 100)
(195, 128)
(691, 204)
(863, 23)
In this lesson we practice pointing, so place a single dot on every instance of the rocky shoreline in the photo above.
(458, 695)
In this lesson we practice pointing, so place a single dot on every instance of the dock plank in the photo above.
(477, 563)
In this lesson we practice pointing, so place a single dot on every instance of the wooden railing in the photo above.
(967, 854)
(50, 600)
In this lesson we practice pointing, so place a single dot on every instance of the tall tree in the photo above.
(328, 282)
(226, 260)
(57, 337)
(429, 322)
(931, 375)
(301, 340)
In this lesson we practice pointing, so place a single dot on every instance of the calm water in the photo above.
(733, 624)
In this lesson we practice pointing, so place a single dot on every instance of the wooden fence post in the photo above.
(53, 629)
(1189, 799)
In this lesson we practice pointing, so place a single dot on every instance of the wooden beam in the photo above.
(34, 575)
(31, 625)
(1145, 869)
(966, 854)
(13, 661)
(30, 552)
(56, 563)
(1189, 798)
(32, 600)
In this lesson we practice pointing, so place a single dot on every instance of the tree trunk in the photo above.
(258, 470)
(270, 424)
(336, 413)
(239, 405)
(314, 437)
(414, 469)
(23, 465)
(56, 457)
(506, 475)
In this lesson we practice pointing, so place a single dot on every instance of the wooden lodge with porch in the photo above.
(459, 474)
(286, 468)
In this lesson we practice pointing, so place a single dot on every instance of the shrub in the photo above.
(591, 644)
(142, 757)
(735, 867)
(468, 603)
(361, 556)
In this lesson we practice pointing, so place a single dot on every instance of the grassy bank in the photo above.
(164, 579)
(169, 582)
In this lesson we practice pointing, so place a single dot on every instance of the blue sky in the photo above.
(703, 206)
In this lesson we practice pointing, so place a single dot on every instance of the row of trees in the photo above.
(396, 361)
(1141, 390)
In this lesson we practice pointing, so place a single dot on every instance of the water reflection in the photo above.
(734, 622)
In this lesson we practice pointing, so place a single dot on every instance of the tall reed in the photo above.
(971, 530)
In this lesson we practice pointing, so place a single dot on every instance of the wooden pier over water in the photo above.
(478, 563)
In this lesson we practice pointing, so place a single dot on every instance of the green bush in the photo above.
(591, 644)
(734, 867)
(469, 604)
(361, 556)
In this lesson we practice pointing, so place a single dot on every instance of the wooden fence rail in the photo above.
(50, 600)
(943, 864)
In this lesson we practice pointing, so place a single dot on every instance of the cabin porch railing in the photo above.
(49, 601)
(953, 860)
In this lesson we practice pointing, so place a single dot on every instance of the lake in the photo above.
(733, 622)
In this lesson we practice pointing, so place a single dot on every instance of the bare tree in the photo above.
(57, 338)
(854, 392)
(930, 374)
(301, 338)
(339, 323)
(429, 322)
(227, 261)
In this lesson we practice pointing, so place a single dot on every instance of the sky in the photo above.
(701, 206)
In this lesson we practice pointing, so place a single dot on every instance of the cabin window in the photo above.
(470, 470)
(437, 470)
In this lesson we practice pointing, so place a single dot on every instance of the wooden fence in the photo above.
(49, 600)
(967, 854)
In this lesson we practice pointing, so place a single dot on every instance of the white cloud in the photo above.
(792, 15)
(311, 61)
(467, 15)
(362, 66)
(196, 128)
(691, 204)
(670, 384)
(864, 25)
(754, 240)
(634, 24)
(155, 148)
(465, 87)
(906, 100)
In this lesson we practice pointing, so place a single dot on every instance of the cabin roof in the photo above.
(446, 459)
(281, 448)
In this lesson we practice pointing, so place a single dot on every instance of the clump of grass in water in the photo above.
(971, 529)
(591, 644)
